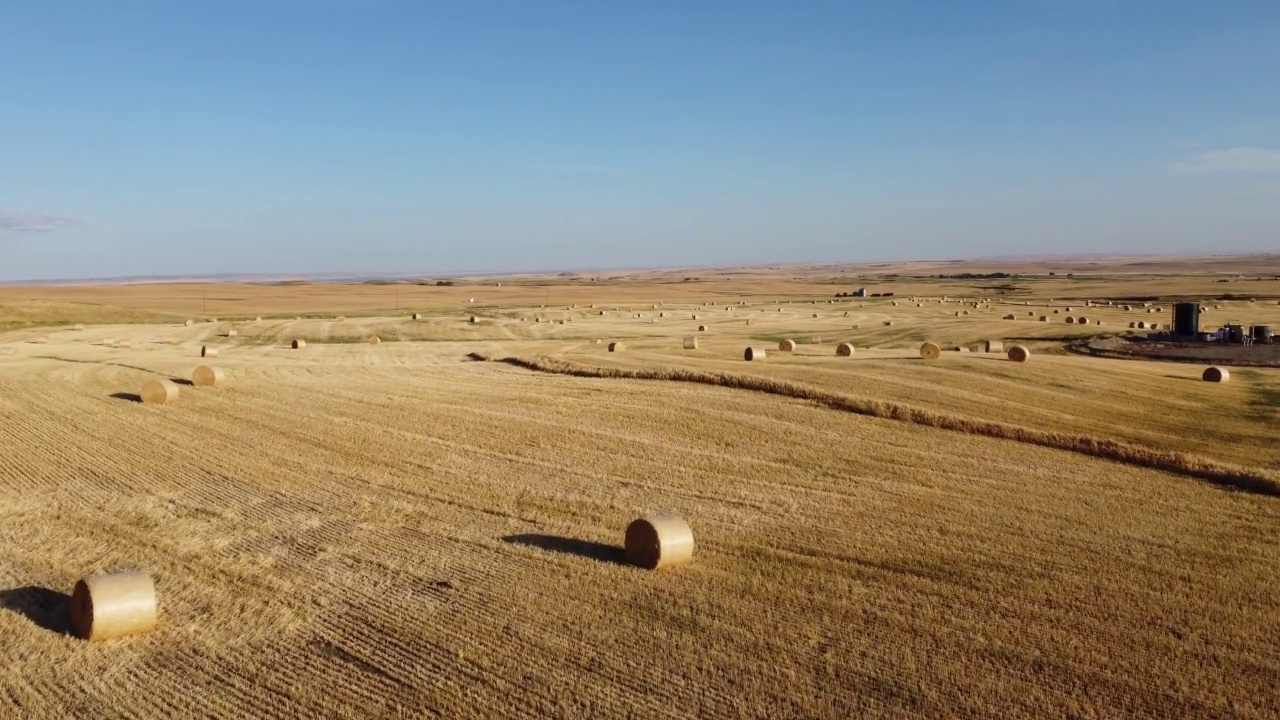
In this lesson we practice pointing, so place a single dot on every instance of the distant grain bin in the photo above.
(860, 292)
(690, 342)
(207, 376)
(844, 349)
(1018, 353)
(787, 345)
(658, 541)
(206, 351)
(159, 392)
(993, 346)
(1216, 374)
(112, 606)
(298, 344)
(616, 346)
(753, 353)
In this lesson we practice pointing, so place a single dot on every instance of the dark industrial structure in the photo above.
(1186, 328)
(1186, 319)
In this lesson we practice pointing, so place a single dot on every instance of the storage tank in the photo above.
(1235, 333)
(1186, 318)
(1261, 333)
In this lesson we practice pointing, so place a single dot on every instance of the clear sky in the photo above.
(185, 137)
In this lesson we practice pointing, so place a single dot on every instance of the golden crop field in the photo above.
(431, 526)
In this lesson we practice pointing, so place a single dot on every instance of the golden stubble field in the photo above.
(407, 530)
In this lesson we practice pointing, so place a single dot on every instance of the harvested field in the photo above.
(405, 531)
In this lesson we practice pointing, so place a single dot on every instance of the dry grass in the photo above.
(343, 532)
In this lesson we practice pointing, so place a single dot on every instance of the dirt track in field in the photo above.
(364, 531)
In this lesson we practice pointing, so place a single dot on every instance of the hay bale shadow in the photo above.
(571, 546)
(130, 397)
(182, 381)
(48, 609)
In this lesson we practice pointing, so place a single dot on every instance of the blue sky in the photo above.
(284, 136)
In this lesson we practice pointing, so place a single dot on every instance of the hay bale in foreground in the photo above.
(753, 353)
(616, 346)
(1018, 353)
(930, 351)
(844, 349)
(298, 344)
(787, 345)
(690, 342)
(159, 392)
(658, 541)
(208, 376)
(1216, 374)
(993, 346)
(113, 605)
(206, 351)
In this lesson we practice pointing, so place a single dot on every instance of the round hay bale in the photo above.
(1044, 318)
(1216, 374)
(298, 344)
(1018, 353)
(1056, 311)
(601, 312)
(815, 315)
(844, 349)
(960, 348)
(474, 320)
(690, 342)
(374, 340)
(616, 346)
(189, 323)
(1068, 309)
(258, 319)
(206, 351)
(662, 314)
(232, 333)
(1132, 325)
(753, 353)
(1031, 314)
(342, 318)
(1098, 322)
(208, 376)
(125, 344)
(993, 346)
(1010, 317)
(695, 317)
(787, 345)
(964, 312)
(418, 316)
(1070, 320)
(702, 328)
(888, 323)
(1126, 308)
(113, 605)
(1142, 325)
(159, 392)
(1082, 320)
(930, 351)
(957, 313)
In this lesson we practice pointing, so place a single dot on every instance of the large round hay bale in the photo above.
(298, 344)
(815, 315)
(964, 312)
(189, 323)
(474, 320)
(206, 351)
(888, 323)
(1082, 320)
(418, 316)
(1132, 324)
(342, 318)
(1057, 311)
(1070, 320)
(113, 605)
(232, 333)
(1044, 318)
(1126, 308)
(993, 346)
(702, 328)
(930, 351)
(753, 353)
(159, 392)
(208, 376)
(616, 346)
(374, 340)
(1010, 316)
(690, 342)
(1216, 374)
(1142, 325)
(1018, 353)
(787, 345)
(844, 349)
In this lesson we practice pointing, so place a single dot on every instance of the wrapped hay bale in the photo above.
(114, 605)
